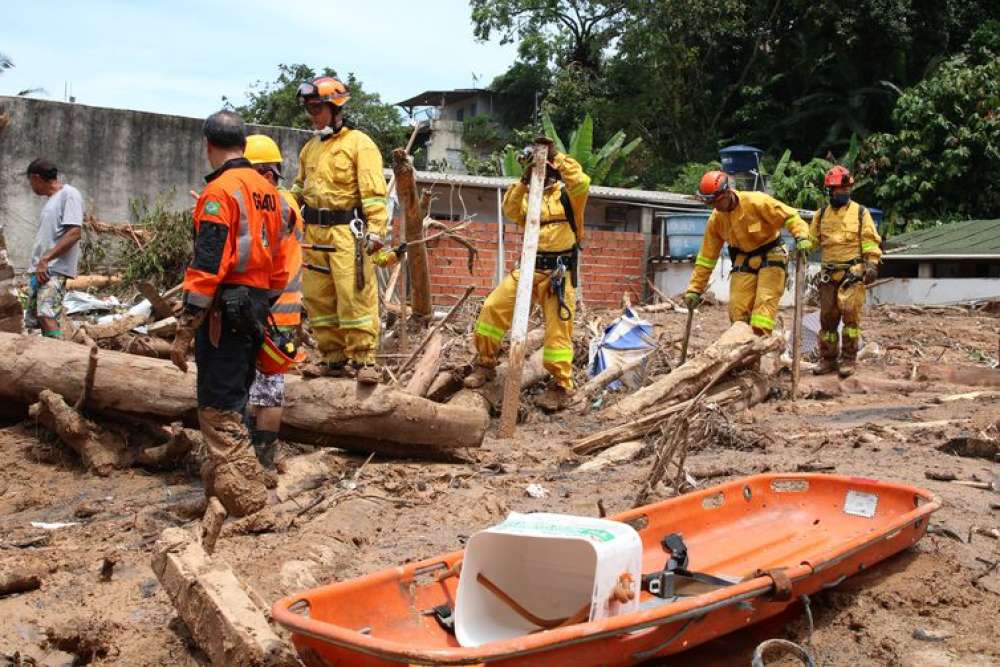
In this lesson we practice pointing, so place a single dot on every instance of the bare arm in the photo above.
(69, 239)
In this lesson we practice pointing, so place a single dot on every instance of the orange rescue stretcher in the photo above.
(777, 536)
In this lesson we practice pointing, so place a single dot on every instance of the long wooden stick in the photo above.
(687, 333)
(800, 279)
(435, 328)
(522, 303)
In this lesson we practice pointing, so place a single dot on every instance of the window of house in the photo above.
(472, 110)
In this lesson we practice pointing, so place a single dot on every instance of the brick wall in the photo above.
(612, 264)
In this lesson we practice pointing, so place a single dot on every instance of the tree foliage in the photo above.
(275, 103)
(943, 158)
(604, 165)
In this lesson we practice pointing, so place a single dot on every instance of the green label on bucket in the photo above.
(595, 534)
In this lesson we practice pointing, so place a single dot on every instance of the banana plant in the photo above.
(605, 166)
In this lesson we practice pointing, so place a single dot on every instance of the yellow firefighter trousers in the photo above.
(344, 319)
(498, 311)
(754, 297)
(840, 304)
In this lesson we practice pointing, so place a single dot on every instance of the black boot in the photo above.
(265, 446)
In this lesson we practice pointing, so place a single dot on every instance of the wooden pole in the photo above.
(420, 278)
(800, 279)
(522, 303)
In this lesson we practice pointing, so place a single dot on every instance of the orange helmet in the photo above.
(323, 89)
(278, 356)
(838, 177)
(712, 185)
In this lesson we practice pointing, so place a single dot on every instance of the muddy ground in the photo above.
(402, 511)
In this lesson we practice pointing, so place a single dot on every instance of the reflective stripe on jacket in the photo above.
(239, 235)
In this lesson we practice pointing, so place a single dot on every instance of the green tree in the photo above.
(581, 28)
(275, 103)
(943, 160)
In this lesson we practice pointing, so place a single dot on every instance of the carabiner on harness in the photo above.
(358, 229)
(558, 286)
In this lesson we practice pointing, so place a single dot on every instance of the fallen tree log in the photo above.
(603, 379)
(325, 410)
(12, 582)
(427, 367)
(737, 347)
(413, 218)
(737, 394)
(100, 450)
(93, 282)
(111, 329)
(222, 615)
(967, 375)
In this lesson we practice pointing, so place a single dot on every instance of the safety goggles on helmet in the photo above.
(306, 90)
(263, 169)
(713, 185)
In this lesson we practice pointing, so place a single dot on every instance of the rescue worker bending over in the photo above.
(563, 205)
(267, 394)
(341, 183)
(850, 245)
(237, 270)
(750, 222)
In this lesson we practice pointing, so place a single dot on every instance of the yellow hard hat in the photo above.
(261, 149)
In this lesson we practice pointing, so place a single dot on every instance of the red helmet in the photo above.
(838, 177)
(712, 185)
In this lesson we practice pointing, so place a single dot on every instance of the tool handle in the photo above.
(687, 334)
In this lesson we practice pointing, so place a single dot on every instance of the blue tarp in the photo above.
(625, 340)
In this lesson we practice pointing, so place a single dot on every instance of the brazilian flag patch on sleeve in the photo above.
(212, 207)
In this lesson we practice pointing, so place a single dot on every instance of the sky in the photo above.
(181, 57)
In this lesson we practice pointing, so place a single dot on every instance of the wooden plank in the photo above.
(522, 303)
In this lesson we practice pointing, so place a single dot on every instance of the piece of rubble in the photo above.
(622, 453)
(12, 582)
(223, 618)
(926, 635)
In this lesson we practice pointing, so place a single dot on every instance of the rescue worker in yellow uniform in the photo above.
(267, 393)
(561, 235)
(851, 251)
(237, 271)
(343, 191)
(750, 223)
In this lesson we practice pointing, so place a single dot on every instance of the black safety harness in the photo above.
(561, 262)
(829, 268)
(760, 251)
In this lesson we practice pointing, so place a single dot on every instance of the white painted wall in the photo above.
(934, 291)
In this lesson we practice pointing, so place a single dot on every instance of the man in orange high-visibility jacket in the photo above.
(267, 393)
(237, 271)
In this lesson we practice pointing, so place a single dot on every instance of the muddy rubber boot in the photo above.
(367, 374)
(828, 352)
(848, 357)
(825, 366)
(479, 376)
(232, 473)
(328, 369)
(555, 398)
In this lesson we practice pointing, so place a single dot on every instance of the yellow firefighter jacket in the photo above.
(556, 234)
(846, 235)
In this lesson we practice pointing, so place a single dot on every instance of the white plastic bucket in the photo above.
(552, 565)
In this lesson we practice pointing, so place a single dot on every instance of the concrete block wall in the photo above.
(110, 155)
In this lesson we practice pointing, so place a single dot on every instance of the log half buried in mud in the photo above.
(330, 411)
(737, 347)
(224, 619)
(100, 450)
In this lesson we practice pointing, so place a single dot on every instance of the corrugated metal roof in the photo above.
(625, 195)
(971, 238)
(433, 98)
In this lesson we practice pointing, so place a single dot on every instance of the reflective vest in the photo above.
(287, 310)
(239, 235)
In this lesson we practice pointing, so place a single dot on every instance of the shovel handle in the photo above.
(687, 334)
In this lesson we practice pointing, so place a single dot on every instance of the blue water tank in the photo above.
(740, 159)
(684, 232)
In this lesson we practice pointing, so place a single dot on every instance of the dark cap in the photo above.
(42, 168)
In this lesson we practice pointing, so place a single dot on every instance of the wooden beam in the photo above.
(522, 303)
(420, 277)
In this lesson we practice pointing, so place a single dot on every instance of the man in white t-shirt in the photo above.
(57, 246)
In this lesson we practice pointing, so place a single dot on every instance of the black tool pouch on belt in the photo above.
(239, 312)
